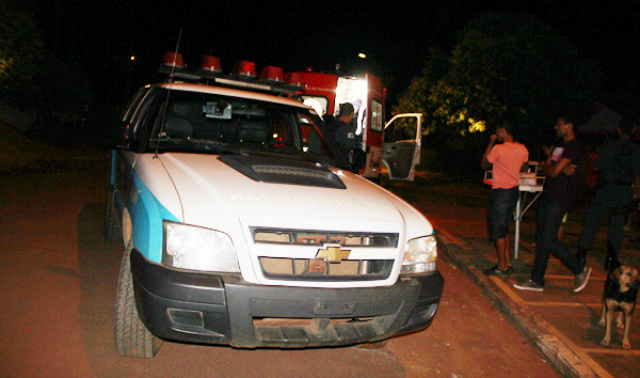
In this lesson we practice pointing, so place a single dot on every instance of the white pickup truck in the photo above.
(244, 225)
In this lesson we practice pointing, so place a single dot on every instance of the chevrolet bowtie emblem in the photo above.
(333, 254)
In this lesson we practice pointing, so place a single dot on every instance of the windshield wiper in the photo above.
(213, 146)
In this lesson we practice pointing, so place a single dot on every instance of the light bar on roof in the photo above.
(272, 78)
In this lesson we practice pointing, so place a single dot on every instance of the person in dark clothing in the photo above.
(343, 129)
(328, 119)
(618, 164)
(558, 194)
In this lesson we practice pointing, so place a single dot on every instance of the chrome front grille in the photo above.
(309, 237)
(331, 262)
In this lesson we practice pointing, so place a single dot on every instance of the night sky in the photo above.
(395, 35)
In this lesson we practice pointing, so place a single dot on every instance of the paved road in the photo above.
(59, 281)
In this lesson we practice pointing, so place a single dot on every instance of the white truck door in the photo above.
(402, 143)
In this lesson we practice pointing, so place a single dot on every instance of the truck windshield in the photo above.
(207, 123)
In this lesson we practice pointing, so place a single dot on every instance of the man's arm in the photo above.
(485, 163)
(554, 169)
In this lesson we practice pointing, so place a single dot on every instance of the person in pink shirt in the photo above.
(508, 158)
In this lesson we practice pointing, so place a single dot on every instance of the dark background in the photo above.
(102, 35)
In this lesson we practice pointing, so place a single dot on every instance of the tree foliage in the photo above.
(505, 66)
(415, 99)
(20, 52)
(512, 66)
(31, 79)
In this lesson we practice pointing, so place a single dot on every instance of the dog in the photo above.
(620, 293)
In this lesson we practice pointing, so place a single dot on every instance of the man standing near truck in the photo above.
(508, 158)
(343, 129)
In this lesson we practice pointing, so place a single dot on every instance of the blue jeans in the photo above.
(550, 216)
(502, 203)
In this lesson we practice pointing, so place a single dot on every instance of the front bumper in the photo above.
(224, 309)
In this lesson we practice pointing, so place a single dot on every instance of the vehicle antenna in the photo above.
(166, 100)
(175, 56)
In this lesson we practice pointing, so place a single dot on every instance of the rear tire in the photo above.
(132, 338)
(111, 230)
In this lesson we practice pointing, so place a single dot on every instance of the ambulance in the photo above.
(244, 225)
(394, 145)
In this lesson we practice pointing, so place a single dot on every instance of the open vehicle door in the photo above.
(402, 142)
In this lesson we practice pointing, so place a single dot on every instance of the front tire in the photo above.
(132, 338)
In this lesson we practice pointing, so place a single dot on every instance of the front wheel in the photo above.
(132, 338)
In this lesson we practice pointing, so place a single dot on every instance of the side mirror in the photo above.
(357, 159)
(118, 136)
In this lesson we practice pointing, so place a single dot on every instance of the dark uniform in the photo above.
(344, 134)
(613, 197)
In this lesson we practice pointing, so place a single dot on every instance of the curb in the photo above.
(535, 330)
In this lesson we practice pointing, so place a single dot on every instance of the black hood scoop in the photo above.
(277, 170)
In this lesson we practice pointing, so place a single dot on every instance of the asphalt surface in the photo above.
(561, 324)
(59, 278)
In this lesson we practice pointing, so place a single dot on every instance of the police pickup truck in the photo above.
(244, 225)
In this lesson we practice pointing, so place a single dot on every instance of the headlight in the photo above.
(197, 248)
(420, 255)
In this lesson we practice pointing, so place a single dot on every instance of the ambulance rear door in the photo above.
(402, 143)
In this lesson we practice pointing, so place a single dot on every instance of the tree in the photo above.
(55, 90)
(511, 66)
(20, 52)
(415, 99)
(505, 66)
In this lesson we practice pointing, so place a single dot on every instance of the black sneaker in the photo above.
(529, 285)
(495, 271)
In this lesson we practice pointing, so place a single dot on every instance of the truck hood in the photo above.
(209, 187)
(245, 196)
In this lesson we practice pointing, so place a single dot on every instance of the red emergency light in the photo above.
(172, 58)
(211, 64)
(273, 74)
(246, 69)
(294, 79)
(244, 72)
